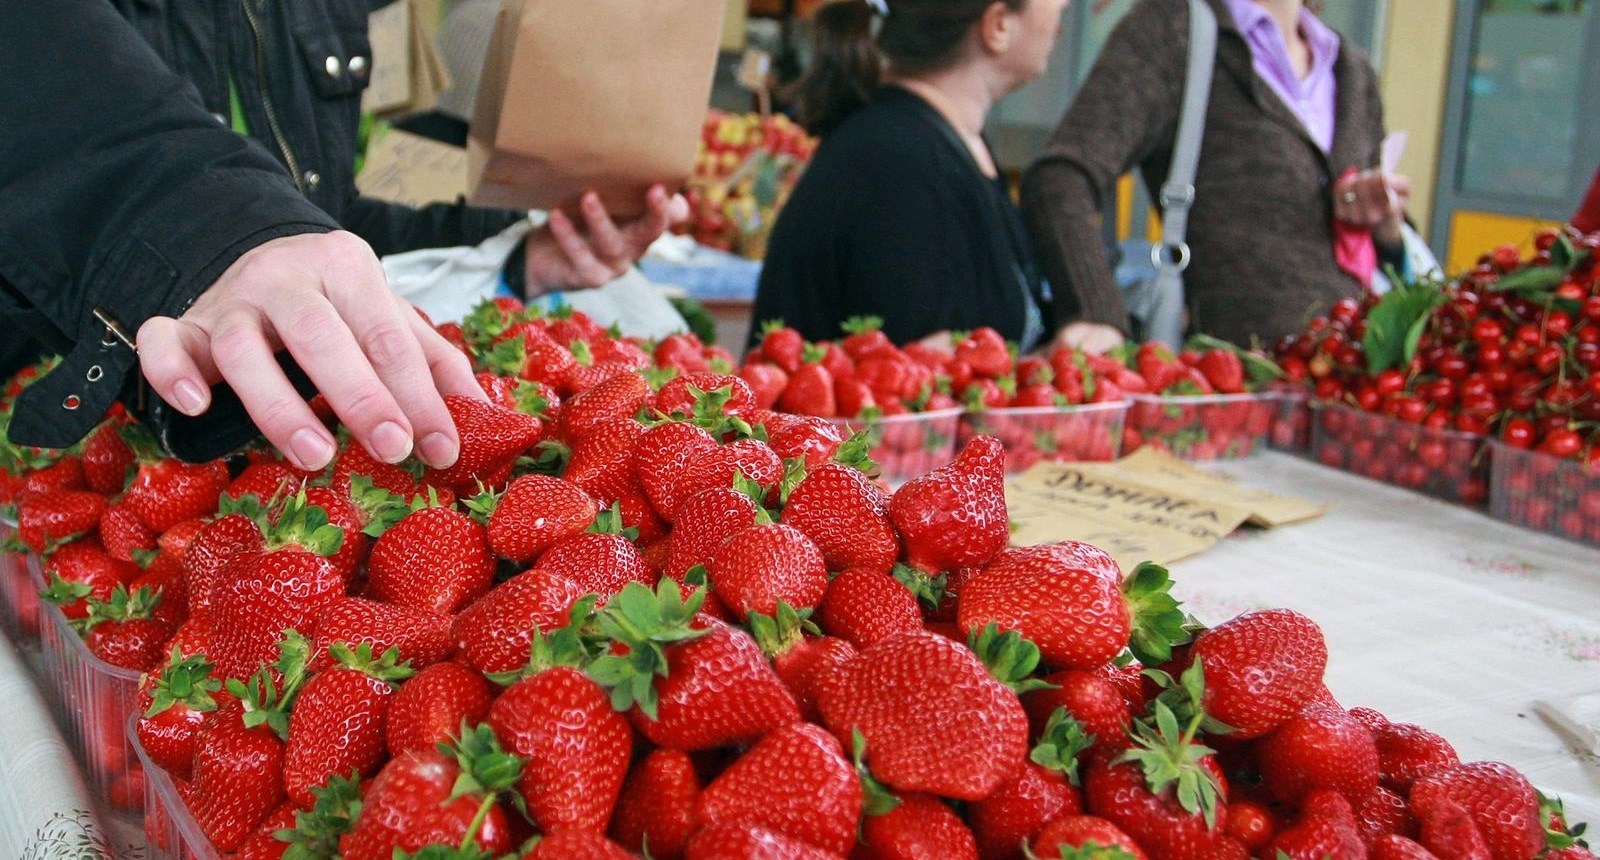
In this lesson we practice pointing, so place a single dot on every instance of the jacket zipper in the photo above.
(266, 100)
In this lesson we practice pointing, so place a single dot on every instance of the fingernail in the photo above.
(390, 442)
(312, 449)
(191, 401)
(438, 450)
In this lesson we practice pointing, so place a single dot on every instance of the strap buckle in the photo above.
(1177, 194)
(1179, 259)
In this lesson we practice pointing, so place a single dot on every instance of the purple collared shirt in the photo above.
(1310, 98)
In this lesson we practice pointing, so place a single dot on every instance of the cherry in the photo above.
(1518, 433)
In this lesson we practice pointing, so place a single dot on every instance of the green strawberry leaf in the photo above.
(1060, 744)
(1010, 658)
(487, 770)
(386, 667)
(856, 452)
(1171, 759)
(862, 325)
(1158, 623)
(794, 472)
(316, 832)
(878, 799)
(185, 680)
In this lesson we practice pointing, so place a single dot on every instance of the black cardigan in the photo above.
(893, 218)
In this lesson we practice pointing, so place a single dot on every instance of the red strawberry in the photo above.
(496, 632)
(1261, 669)
(719, 466)
(852, 398)
(955, 516)
(1322, 747)
(618, 398)
(354, 460)
(782, 346)
(917, 825)
(1079, 618)
(263, 844)
(847, 516)
(106, 460)
(986, 352)
(536, 512)
(337, 726)
(422, 637)
(492, 438)
(744, 842)
(765, 564)
(795, 781)
(660, 457)
(640, 515)
(602, 460)
(1407, 752)
(704, 396)
(810, 392)
(352, 516)
(864, 337)
(712, 685)
(918, 685)
(1044, 790)
(680, 352)
(431, 707)
(803, 662)
(1164, 791)
(576, 746)
(80, 571)
(576, 845)
(1071, 834)
(57, 516)
(705, 522)
(172, 708)
(766, 383)
(1090, 699)
(807, 437)
(1381, 812)
(238, 768)
(1500, 801)
(175, 541)
(166, 492)
(657, 806)
(122, 631)
(1392, 847)
(600, 563)
(122, 534)
(1325, 830)
(413, 802)
(435, 558)
(266, 481)
(213, 547)
(1223, 370)
(865, 607)
(1449, 831)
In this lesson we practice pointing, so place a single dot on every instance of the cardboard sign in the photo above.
(406, 168)
(1132, 521)
(1159, 469)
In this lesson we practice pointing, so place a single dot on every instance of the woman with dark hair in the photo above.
(902, 213)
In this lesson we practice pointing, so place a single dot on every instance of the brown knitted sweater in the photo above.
(1261, 225)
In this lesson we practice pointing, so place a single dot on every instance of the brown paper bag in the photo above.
(607, 95)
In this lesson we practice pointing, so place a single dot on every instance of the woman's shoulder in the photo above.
(889, 134)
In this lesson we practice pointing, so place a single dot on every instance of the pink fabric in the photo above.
(1353, 248)
(1310, 98)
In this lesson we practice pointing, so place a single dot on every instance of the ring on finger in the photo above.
(1348, 197)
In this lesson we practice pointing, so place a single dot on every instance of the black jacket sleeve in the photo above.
(392, 228)
(119, 194)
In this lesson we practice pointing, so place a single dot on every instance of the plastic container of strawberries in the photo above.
(1200, 427)
(1291, 421)
(1065, 434)
(169, 829)
(91, 700)
(19, 594)
(1444, 464)
(909, 445)
(1554, 495)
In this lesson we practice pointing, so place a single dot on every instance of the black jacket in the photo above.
(123, 189)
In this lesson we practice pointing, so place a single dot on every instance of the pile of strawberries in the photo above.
(1201, 403)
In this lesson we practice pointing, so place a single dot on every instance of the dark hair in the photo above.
(917, 37)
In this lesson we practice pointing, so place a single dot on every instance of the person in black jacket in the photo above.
(902, 213)
(138, 230)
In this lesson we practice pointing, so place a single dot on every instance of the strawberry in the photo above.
(766, 382)
(1500, 801)
(351, 512)
(734, 841)
(1407, 752)
(79, 571)
(1223, 369)
(1084, 836)
(955, 516)
(1325, 830)
(527, 351)
(1090, 699)
(421, 637)
(657, 806)
(263, 844)
(782, 346)
(660, 456)
(430, 708)
(640, 515)
(763, 565)
(354, 460)
(492, 437)
(864, 336)
(618, 398)
(237, 531)
(808, 438)
(865, 607)
(426, 797)
(283, 586)
(1078, 617)
(535, 513)
(434, 558)
(106, 460)
(58, 516)
(599, 562)
(495, 633)
(602, 460)
(1157, 367)
(337, 726)
(917, 685)
(576, 746)
(1391, 847)
(1449, 831)
(172, 708)
(911, 826)
(694, 682)
(175, 541)
(1044, 790)
(1261, 669)
(1382, 812)
(705, 522)
(266, 481)
(121, 631)
(847, 516)
(986, 352)
(122, 534)
(852, 398)
(1321, 747)
(803, 662)
(576, 845)
(166, 492)
(810, 392)
(795, 781)
(704, 397)
(719, 466)
(238, 758)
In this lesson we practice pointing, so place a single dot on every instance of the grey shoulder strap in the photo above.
(1177, 195)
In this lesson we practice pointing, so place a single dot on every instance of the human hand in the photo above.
(939, 341)
(323, 297)
(1374, 200)
(561, 257)
(1095, 338)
